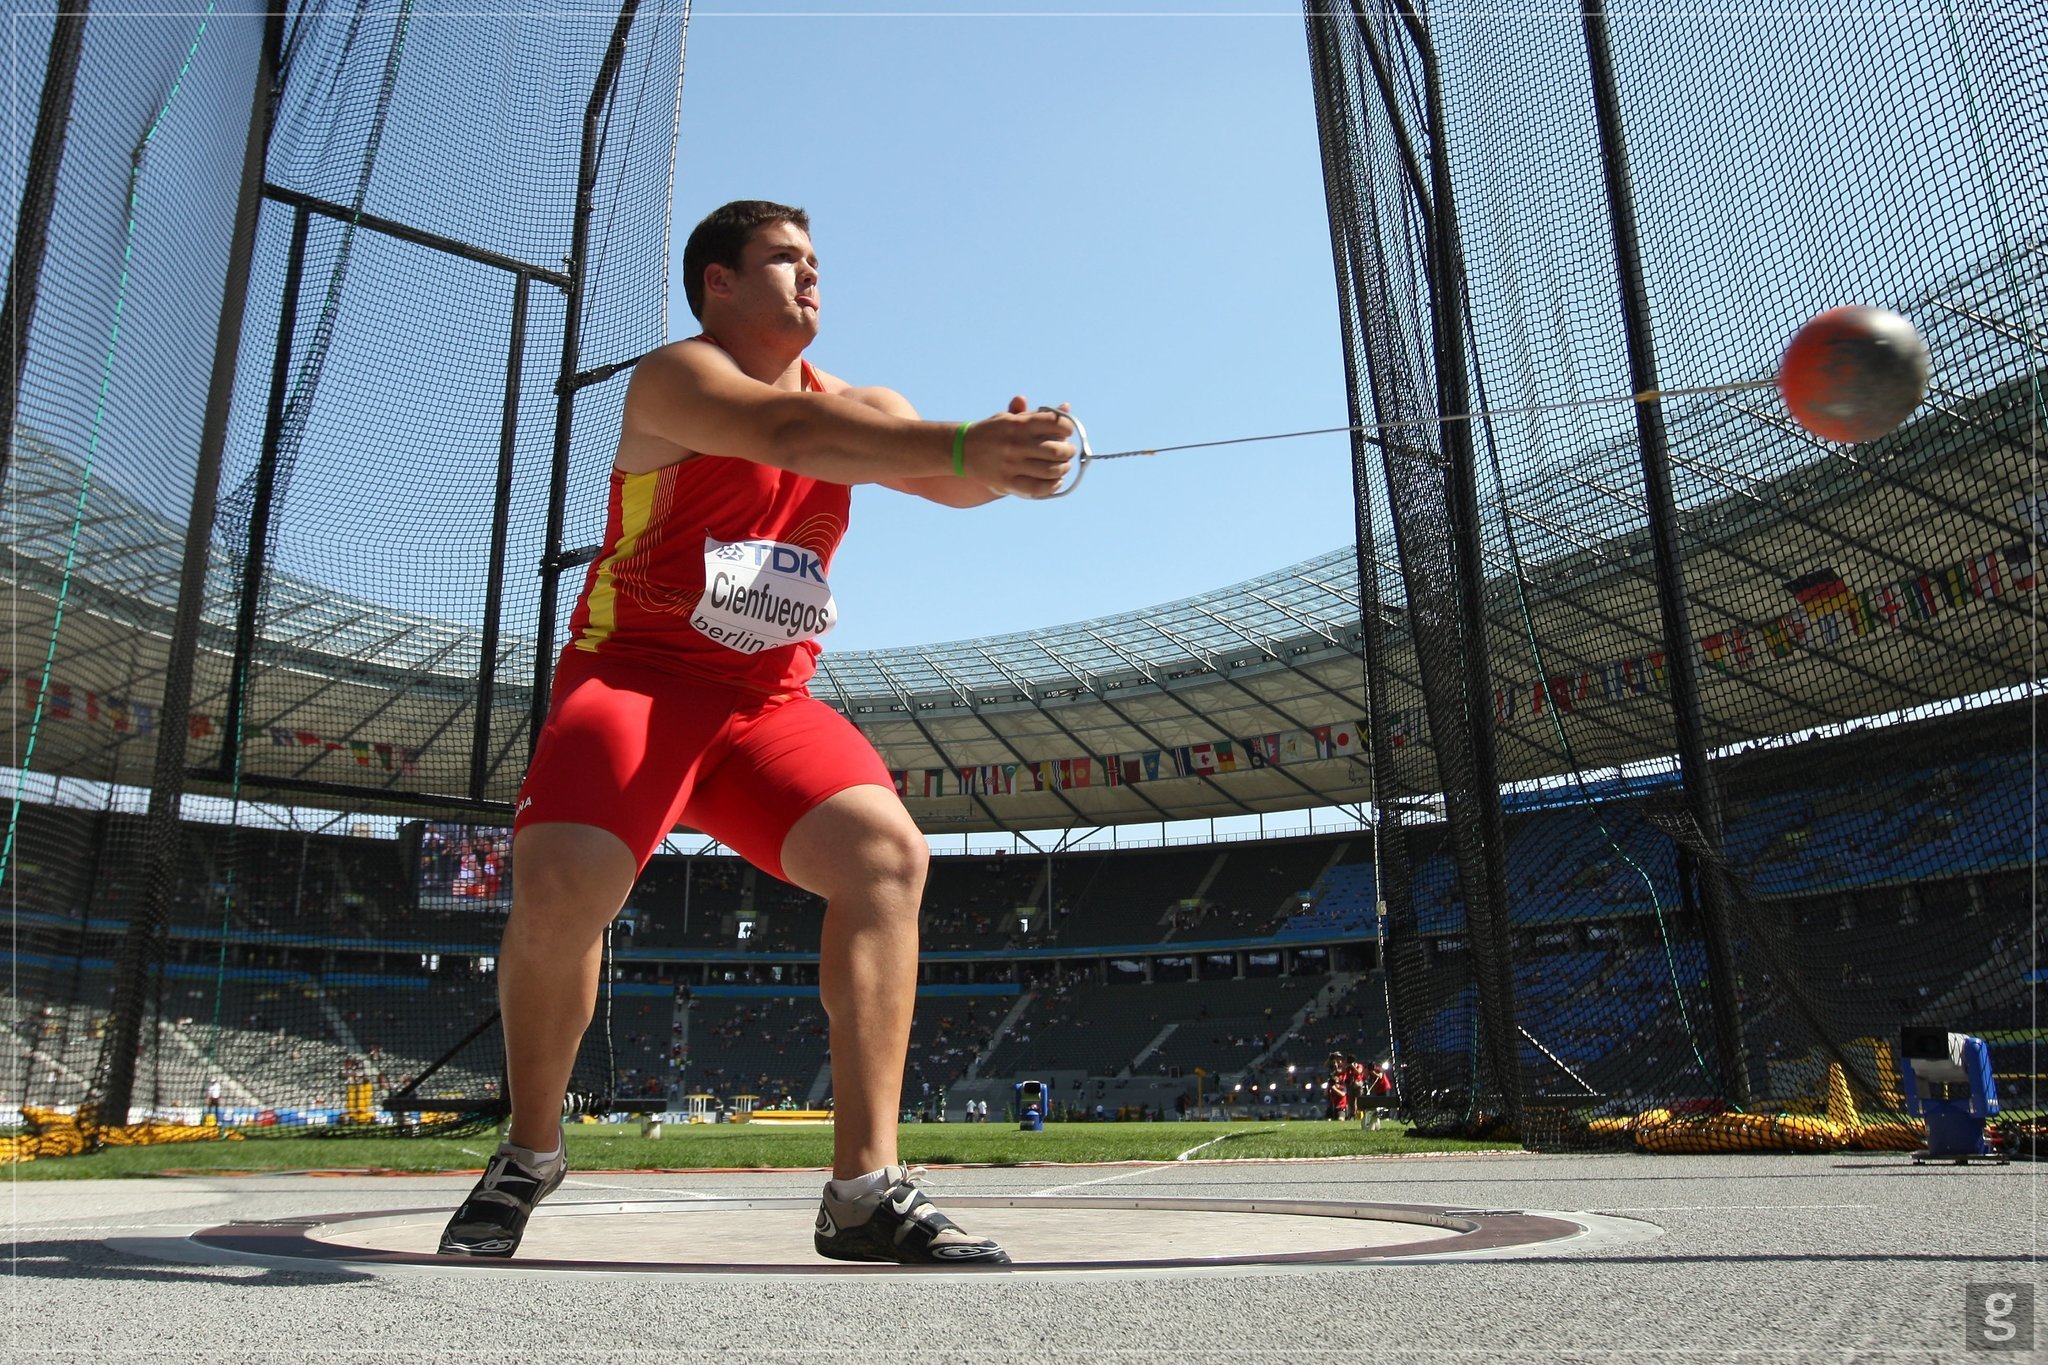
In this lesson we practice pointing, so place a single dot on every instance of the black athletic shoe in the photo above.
(493, 1219)
(898, 1224)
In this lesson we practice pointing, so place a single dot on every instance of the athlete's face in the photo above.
(778, 278)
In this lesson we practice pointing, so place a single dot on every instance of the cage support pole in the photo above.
(1491, 944)
(552, 560)
(1703, 801)
(255, 555)
(38, 199)
(162, 841)
(501, 517)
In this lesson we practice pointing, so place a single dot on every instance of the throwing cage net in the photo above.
(315, 320)
(1703, 746)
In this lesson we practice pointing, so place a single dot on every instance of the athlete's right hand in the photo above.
(1020, 452)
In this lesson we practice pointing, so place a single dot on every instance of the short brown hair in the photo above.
(723, 235)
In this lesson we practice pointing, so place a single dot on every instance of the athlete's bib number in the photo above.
(760, 594)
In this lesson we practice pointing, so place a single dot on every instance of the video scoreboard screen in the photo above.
(463, 867)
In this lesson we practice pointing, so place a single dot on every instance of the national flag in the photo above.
(1953, 583)
(1112, 772)
(1202, 757)
(2033, 510)
(1397, 724)
(384, 754)
(408, 762)
(360, 751)
(1075, 772)
(1010, 779)
(1920, 597)
(1322, 736)
(2019, 567)
(1887, 603)
(901, 779)
(1986, 578)
(1504, 705)
(1297, 746)
(970, 781)
(198, 726)
(308, 740)
(117, 712)
(1226, 756)
(1613, 681)
(145, 718)
(1782, 637)
(1132, 767)
(934, 782)
(1344, 740)
(1262, 751)
(1820, 586)
(1716, 648)
(282, 739)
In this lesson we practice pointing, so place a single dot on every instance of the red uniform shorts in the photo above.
(635, 751)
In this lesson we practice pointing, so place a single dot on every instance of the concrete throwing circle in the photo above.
(1041, 1232)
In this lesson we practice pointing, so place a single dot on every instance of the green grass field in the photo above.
(595, 1147)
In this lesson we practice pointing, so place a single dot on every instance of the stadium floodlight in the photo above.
(1949, 1084)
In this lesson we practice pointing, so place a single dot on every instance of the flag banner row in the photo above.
(65, 702)
(1827, 613)
(1210, 757)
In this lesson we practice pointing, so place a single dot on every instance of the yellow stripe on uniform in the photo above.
(636, 509)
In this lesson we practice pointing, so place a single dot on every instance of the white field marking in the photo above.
(1104, 1179)
(1717, 1208)
(1225, 1138)
(120, 1228)
(639, 1189)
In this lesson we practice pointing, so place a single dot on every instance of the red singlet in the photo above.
(715, 568)
(680, 695)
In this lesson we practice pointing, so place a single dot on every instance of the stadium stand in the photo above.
(766, 1045)
(1112, 898)
(1259, 886)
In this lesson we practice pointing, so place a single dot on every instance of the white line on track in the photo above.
(572, 1182)
(1101, 1180)
(1725, 1208)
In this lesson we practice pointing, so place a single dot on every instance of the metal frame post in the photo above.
(553, 562)
(1702, 798)
(38, 199)
(1487, 925)
(501, 516)
(256, 552)
(162, 841)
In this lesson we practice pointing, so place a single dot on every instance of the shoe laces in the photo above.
(500, 1168)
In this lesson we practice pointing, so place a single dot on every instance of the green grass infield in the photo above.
(620, 1147)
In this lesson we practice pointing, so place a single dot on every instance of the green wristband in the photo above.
(960, 449)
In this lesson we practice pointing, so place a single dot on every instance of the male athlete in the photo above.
(681, 697)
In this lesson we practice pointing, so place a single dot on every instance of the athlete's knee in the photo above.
(569, 874)
(858, 844)
(901, 855)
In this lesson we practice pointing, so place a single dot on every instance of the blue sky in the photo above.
(1121, 213)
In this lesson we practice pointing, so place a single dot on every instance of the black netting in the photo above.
(1861, 617)
(383, 512)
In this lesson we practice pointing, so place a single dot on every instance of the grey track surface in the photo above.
(1851, 1256)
